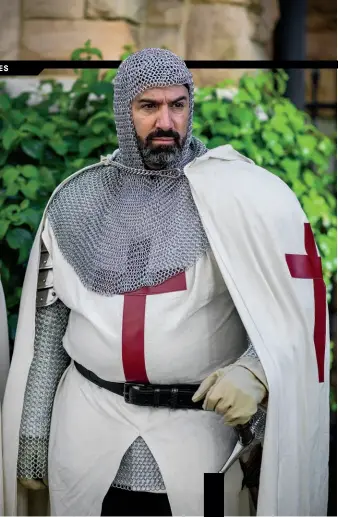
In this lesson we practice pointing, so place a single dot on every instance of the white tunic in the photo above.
(187, 335)
(252, 221)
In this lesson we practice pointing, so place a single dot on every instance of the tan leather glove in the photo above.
(33, 484)
(235, 391)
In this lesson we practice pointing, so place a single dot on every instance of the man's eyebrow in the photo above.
(152, 101)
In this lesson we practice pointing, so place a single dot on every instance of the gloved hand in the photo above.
(235, 391)
(34, 484)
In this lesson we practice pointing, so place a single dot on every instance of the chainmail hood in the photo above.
(122, 226)
(150, 68)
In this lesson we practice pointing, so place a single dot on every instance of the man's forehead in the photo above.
(167, 92)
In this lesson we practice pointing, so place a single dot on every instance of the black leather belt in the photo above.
(174, 396)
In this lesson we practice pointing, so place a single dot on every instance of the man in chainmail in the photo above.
(135, 330)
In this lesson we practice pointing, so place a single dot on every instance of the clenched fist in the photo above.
(235, 391)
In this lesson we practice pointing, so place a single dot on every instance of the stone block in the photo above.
(51, 9)
(232, 29)
(163, 37)
(220, 32)
(164, 12)
(246, 3)
(327, 91)
(131, 10)
(56, 39)
(320, 22)
(321, 16)
(265, 21)
(321, 45)
(10, 29)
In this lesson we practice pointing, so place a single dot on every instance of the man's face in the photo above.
(160, 118)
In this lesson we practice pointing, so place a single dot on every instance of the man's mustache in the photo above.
(161, 133)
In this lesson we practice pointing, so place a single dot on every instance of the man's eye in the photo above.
(148, 106)
(178, 105)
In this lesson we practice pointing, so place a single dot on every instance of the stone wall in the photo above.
(205, 29)
(194, 29)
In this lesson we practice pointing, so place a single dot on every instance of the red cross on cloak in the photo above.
(133, 323)
(310, 267)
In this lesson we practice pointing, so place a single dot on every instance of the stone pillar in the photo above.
(290, 44)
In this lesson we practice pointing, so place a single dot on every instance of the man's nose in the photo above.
(164, 120)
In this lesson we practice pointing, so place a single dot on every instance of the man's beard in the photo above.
(161, 156)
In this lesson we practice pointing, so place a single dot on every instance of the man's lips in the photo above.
(163, 140)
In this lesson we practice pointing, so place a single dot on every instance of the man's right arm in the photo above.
(50, 360)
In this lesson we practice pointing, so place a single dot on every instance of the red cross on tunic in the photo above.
(310, 267)
(133, 326)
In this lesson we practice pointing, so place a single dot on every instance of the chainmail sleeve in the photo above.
(258, 421)
(250, 351)
(49, 362)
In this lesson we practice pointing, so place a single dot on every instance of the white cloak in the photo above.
(4, 366)
(252, 220)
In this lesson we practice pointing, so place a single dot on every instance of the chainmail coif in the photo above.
(120, 225)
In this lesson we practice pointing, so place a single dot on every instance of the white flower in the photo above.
(54, 108)
(46, 88)
(226, 93)
(260, 114)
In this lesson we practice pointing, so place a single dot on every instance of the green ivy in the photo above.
(43, 144)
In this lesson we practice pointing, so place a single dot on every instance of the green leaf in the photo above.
(18, 237)
(216, 141)
(9, 136)
(30, 189)
(4, 225)
(4, 273)
(30, 128)
(33, 148)
(271, 138)
(103, 88)
(99, 127)
(210, 110)
(5, 102)
(291, 167)
(250, 85)
(242, 97)
(58, 145)
(100, 115)
(89, 76)
(242, 116)
(25, 204)
(48, 129)
(307, 144)
(31, 217)
(29, 171)
(10, 175)
(326, 146)
(110, 75)
(309, 179)
(12, 190)
(89, 144)
(296, 120)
